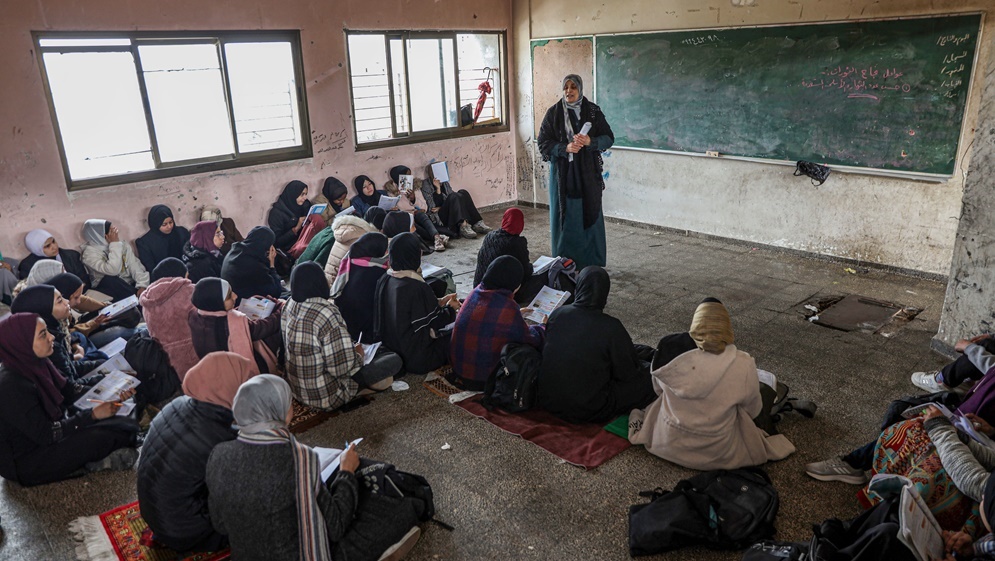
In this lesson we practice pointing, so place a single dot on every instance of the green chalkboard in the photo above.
(875, 94)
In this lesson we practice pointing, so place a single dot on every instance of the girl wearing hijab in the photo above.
(356, 284)
(265, 513)
(708, 397)
(215, 325)
(331, 244)
(591, 371)
(41, 272)
(287, 215)
(164, 238)
(367, 195)
(8, 279)
(453, 210)
(42, 245)
(324, 367)
(576, 221)
(249, 265)
(43, 437)
(47, 303)
(166, 305)
(508, 241)
(92, 330)
(408, 317)
(202, 254)
(172, 471)
(412, 201)
(375, 216)
(227, 225)
(335, 195)
(115, 270)
(488, 320)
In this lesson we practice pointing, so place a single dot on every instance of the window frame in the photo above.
(185, 167)
(412, 137)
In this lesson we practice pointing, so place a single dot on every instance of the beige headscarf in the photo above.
(711, 327)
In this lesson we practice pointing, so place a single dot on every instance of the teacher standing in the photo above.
(576, 222)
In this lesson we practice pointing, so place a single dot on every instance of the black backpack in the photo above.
(381, 478)
(514, 383)
(718, 509)
(151, 364)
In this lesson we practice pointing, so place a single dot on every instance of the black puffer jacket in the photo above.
(71, 259)
(172, 490)
(201, 264)
(497, 244)
(62, 356)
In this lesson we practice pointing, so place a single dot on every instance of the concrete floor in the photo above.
(511, 500)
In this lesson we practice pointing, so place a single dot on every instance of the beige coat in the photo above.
(703, 417)
(115, 259)
(347, 229)
(329, 212)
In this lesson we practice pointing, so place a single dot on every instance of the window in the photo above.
(133, 107)
(410, 86)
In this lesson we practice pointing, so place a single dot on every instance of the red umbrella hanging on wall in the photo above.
(484, 88)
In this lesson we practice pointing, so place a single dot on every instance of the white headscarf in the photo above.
(43, 271)
(35, 242)
(94, 232)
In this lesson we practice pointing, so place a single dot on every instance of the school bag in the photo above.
(721, 509)
(151, 364)
(769, 550)
(514, 383)
(563, 275)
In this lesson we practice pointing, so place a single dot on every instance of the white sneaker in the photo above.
(481, 228)
(466, 231)
(927, 381)
(836, 469)
(445, 240)
(439, 244)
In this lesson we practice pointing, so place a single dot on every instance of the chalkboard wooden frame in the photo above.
(936, 177)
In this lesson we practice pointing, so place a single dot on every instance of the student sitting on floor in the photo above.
(488, 320)
(48, 304)
(98, 329)
(43, 437)
(215, 325)
(202, 254)
(42, 245)
(708, 397)
(356, 285)
(265, 491)
(591, 371)
(331, 244)
(8, 279)
(508, 240)
(409, 317)
(375, 217)
(367, 195)
(455, 210)
(227, 225)
(172, 471)
(334, 194)
(248, 267)
(324, 367)
(41, 272)
(970, 366)
(286, 216)
(412, 201)
(164, 238)
(115, 270)
(166, 305)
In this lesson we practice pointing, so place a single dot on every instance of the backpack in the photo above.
(563, 275)
(381, 478)
(769, 550)
(722, 509)
(151, 364)
(514, 383)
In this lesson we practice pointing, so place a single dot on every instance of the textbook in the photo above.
(388, 203)
(108, 390)
(114, 347)
(346, 210)
(545, 302)
(918, 529)
(119, 307)
(329, 459)
(317, 209)
(440, 171)
(116, 362)
(257, 308)
(542, 264)
(427, 270)
(406, 183)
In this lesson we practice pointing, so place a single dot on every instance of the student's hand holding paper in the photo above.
(526, 311)
(958, 543)
(980, 424)
(931, 412)
(350, 459)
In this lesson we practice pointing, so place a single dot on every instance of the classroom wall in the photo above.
(32, 186)
(889, 221)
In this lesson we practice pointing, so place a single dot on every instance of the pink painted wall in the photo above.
(32, 186)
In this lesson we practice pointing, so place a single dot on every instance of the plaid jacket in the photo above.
(487, 321)
(321, 357)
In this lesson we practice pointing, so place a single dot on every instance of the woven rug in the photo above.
(306, 418)
(438, 384)
(117, 535)
(586, 445)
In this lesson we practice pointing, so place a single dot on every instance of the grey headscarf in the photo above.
(261, 404)
(94, 232)
(575, 106)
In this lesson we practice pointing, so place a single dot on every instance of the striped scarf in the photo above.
(312, 535)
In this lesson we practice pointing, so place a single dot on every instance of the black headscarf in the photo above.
(168, 268)
(593, 286)
(504, 273)
(358, 183)
(397, 222)
(38, 299)
(333, 190)
(308, 281)
(376, 216)
(405, 252)
(258, 242)
(289, 198)
(396, 172)
(155, 246)
(67, 284)
(370, 245)
(210, 294)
